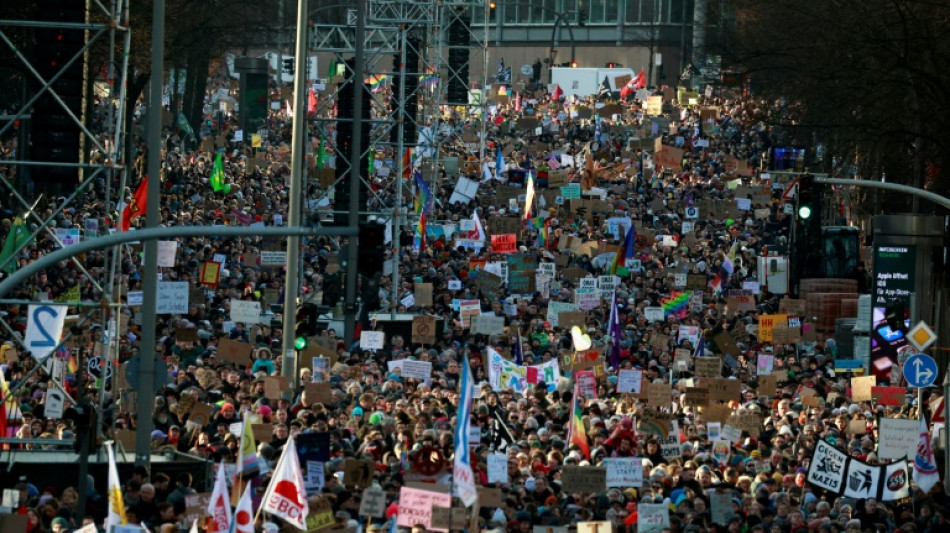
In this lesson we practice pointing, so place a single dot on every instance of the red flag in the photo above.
(518, 101)
(640, 81)
(557, 94)
(626, 91)
(136, 207)
(311, 103)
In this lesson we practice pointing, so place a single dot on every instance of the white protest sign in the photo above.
(373, 503)
(372, 340)
(743, 204)
(488, 325)
(408, 300)
(653, 314)
(245, 311)
(653, 517)
(629, 381)
(416, 369)
(273, 257)
(898, 438)
(134, 298)
(44, 328)
(54, 404)
(455, 285)
(315, 477)
(559, 307)
(731, 433)
(166, 253)
(764, 364)
(497, 468)
(624, 471)
(172, 298)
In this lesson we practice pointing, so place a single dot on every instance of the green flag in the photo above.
(217, 175)
(321, 154)
(331, 70)
(16, 239)
(372, 162)
(185, 126)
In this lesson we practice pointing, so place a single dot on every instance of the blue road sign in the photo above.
(920, 370)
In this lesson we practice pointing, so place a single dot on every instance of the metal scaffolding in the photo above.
(106, 25)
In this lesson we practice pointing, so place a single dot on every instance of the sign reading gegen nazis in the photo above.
(827, 467)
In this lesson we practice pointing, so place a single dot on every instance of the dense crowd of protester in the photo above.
(375, 413)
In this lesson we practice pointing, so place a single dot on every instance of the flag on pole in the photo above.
(529, 197)
(18, 236)
(136, 207)
(725, 270)
(217, 175)
(243, 521)
(627, 249)
(219, 507)
(925, 465)
(462, 466)
(701, 346)
(519, 350)
(640, 82)
(477, 234)
(250, 462)
(614, 332)
(557, 94)
(116, 513)
(407, 163)
(500, 165)
(578, 435)
(518, 101)
(8, 405)
(311, 102)
(322, 152)
(286, 495)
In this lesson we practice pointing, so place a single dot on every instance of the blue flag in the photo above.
(462, 466)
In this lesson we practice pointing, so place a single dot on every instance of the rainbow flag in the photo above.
(375, 81)
(421, 206)
(676, 304)
(627, 250)
(578, 433)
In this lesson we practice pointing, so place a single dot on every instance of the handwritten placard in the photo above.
(172, 298)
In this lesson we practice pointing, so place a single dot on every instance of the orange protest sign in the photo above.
(505, 243)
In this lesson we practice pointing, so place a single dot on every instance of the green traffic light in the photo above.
(804, 212)
(301, 343)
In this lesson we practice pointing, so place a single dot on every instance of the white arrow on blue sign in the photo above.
(920, 370)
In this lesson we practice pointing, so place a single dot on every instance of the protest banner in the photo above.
(629, 381)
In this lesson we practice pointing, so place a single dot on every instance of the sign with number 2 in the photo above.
(44, 328)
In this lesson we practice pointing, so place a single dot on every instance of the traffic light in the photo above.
(372, 249)
(492, 5)
(806, 197)
(289, 65)
(306, 325)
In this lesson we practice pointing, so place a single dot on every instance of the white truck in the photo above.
(586, 81)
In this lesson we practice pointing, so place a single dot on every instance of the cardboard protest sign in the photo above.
(861, 388)
(423, 329)
(232, 351)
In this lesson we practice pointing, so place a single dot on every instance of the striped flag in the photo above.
(462, 467)
(578, 435)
